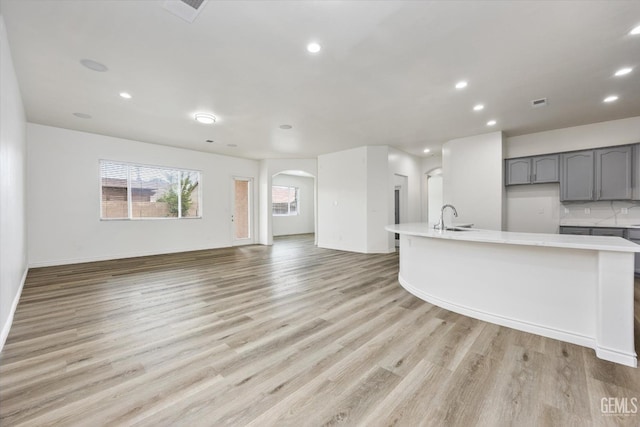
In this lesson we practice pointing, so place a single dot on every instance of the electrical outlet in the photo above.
(624, 211)
(587, 211)
(566, 210)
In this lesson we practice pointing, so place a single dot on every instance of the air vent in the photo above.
(542, 102)
(185, 9)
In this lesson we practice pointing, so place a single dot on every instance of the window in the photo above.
(284, 200)
(131, 191)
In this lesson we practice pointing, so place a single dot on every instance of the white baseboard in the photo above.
(7, 325)
(80, 260)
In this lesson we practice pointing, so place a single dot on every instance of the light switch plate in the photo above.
(587, 211)
(624, 211)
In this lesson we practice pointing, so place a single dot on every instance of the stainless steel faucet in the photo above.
(440, 225)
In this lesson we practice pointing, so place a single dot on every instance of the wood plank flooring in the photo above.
(289, 335)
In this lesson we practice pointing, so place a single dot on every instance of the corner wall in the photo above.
(342, 200)
(64, 199)
(13, 224)
(473, 179)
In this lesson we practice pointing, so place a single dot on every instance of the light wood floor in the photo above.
(289, 335)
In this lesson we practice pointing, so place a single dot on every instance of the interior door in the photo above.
(241, 218)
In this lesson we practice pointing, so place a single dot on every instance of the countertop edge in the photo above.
(598, 243)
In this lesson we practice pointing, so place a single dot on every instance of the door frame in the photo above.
(251, 239)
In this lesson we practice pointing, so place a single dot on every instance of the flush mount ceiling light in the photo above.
(313, 47)
(635, 31)
(426, 150)
(478, 107)
(205, 118)
(125, 95)
(285, 127)
(623, 71)
(82, 115)
(611, 98)
(491, 123)
(94, 65)
(461, 84)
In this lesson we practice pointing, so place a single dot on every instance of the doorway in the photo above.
(241, 218)
(400, 196)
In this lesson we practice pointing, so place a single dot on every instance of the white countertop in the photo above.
(598, 243)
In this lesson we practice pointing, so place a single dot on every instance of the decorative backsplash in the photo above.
(600, 213)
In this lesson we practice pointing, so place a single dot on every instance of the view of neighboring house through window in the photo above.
(284, 200)
(131, 191)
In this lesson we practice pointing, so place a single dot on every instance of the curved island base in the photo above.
(577, 289)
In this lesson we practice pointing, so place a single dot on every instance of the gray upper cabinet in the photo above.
(636, 172)
(582, 231)
(518, 171)
(576, 170)
(532, 170)
(613, 173)
(545, 169)
(610, 173)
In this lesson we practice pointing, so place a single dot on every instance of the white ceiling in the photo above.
(385, 75)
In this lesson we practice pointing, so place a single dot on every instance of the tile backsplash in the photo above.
(600, 213)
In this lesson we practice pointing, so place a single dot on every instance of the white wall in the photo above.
(269, 168)
(603, 134)
(473, 179)
(64, 199)
(304, 222)
(342, 200)
(356, 197)
(434, 198)
(379, 201)
(13, 225)
(533, 208)
(428, 165)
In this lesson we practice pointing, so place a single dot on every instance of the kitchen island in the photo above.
(577, 289)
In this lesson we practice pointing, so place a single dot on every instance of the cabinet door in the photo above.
(613, 173)
(545, 169)
(617, 232)
(635, 166)
(518, 171)
(576, 176)
(582, 231)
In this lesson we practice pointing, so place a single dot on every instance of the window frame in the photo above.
(130, 216)
(296, 198)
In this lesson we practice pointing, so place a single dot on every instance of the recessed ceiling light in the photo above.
(478, 107)
(285, 127)
(611, 98)
(94, 65)
(82, 115)
(635, 31)
(426, 150)
(461, 84)
(623, 71)
(491, 123)
(205, 118)
(125, 95)
(313, 47)
(232, 145)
